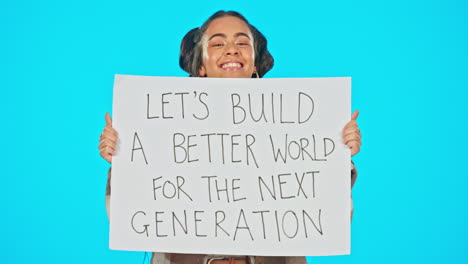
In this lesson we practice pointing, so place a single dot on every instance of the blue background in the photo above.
(408, 61)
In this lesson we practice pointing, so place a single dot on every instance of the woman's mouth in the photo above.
(231, 66)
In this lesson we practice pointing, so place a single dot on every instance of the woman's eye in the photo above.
(218, 45)
(242, 44)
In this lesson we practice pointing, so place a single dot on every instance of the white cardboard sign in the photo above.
(231, 166)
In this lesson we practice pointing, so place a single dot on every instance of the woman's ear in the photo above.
(202, 72)
(255, 73)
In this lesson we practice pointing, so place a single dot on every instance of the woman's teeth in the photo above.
(231, 65)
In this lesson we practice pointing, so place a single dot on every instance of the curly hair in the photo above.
(191, 49)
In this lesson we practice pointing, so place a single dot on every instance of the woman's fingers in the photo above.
(351, 129)
(351, 124)
(108, 140)
(110, 130)
(352, 134)
(352, 137)
(107, 144)
(108, 119)
(355, 147)
(106, 151)
(109, 133)
(106, 155)
(356, 132)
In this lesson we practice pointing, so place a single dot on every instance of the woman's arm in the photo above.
(107, 146)
(108, 192)
(352, 138)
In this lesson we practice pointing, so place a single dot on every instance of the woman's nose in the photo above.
(232, 49)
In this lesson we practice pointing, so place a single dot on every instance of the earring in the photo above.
(256, 74)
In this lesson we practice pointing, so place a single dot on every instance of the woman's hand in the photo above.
(108, 140)
(352, 134)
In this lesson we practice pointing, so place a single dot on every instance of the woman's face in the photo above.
(228, 50)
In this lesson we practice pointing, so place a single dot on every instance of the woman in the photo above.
(226, 46)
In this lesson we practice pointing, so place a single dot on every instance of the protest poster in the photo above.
(231, 166)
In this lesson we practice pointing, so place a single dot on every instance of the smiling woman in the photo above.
(225, 46)
(230, 53)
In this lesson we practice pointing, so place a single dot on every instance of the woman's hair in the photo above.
(191, 50)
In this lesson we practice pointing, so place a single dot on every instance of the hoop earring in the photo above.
(256, 74)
